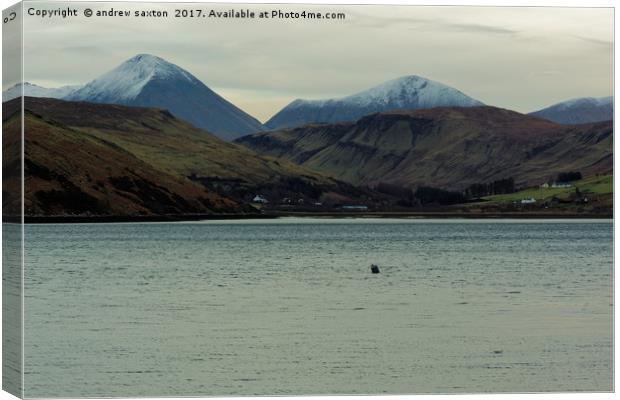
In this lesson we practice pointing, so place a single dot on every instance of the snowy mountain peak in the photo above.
(125, 82)
(25, 84)
(402, 91)
(147, 58)
(406, 92)
(34, 90)
(146, 80)
(579, 111)
(150, 64)
(582, 101)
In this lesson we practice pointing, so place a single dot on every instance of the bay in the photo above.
(289, 307)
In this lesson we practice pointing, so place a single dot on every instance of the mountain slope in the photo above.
(144, 157)
(442, 147)
(149, 81)
(71, 172)
(408, 92)
(579, 111)
(32, 90)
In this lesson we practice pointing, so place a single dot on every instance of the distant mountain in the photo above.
(33, 90)
(449, 148)
(408, 92)
(149, 81)
(111, 160)
(579, 111)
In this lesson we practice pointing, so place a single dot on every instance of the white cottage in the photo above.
(259, 199)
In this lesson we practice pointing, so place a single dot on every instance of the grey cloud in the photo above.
(436, 24)
(496, 54)
(483, 29)
(600, 42)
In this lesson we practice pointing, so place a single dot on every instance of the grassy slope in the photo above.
(598, 185)
(69, 172)
(112, 160)
(169, 143)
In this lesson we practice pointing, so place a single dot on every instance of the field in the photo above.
(593, 185)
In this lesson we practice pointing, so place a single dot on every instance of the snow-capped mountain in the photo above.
(149, 81)
(579, 111)
(32, 90)
(408, 92)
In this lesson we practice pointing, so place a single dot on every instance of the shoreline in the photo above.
(328, 215)
(450, 215)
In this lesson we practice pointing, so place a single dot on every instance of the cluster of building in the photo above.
(260, 199)
(576, 198)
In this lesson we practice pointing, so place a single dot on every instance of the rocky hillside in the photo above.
(442, 147)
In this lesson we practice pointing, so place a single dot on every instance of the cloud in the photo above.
(605, 43)
(546, 73)
(434, 24)
(481, 29)
(500, 55)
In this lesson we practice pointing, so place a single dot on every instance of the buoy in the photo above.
(374, 269)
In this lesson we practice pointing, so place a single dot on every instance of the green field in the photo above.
(601, 184)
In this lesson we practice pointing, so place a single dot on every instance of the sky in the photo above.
(521, 58)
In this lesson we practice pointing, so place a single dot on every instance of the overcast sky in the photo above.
(518, 58)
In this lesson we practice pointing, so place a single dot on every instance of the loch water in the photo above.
(290, 307)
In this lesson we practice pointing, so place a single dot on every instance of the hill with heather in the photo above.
(450, 148)
(102, 159)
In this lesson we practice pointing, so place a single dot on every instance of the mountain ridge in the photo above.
(446, 147)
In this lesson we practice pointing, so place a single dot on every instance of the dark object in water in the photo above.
(374, 269)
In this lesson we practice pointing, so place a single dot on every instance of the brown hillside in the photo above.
(73, 173)
(102, 159)
(443, 147)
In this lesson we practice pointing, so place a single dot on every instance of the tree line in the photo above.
(433, 195)
(501, 186)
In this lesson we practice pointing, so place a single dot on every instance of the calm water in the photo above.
(290, 307)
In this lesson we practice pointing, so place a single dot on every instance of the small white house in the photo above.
(545, 185)
(259, 199)
(561, 185)
(531, 200)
